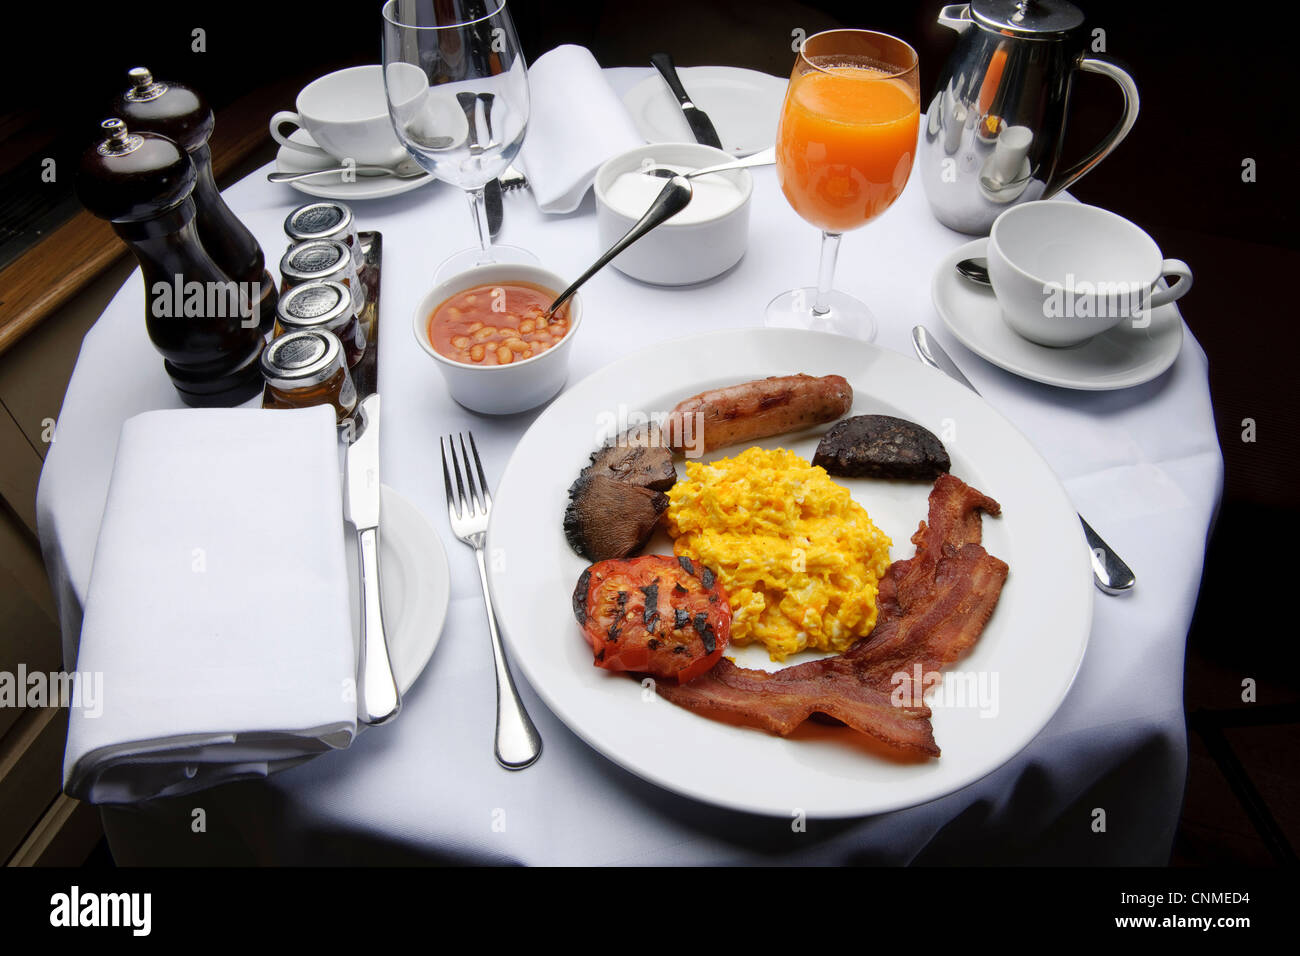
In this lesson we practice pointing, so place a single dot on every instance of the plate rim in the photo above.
(437, 620)
(944, 275)
(1084, 596)
(637, 94)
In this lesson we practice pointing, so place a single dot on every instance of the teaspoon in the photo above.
(671, 200)
(403, 171)
(766, 157)
(976, 270)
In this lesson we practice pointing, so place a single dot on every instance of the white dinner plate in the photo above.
(1119, 358)
(1031, 647)
(332, 187)
(744, 106)
(414, 584)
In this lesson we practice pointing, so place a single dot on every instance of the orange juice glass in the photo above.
(844, 151)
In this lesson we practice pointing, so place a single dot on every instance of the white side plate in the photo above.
(415, 586)
(743, 105)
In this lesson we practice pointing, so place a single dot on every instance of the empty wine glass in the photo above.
(457, 88)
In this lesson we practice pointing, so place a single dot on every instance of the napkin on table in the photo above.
(217, 634)
(576, 122)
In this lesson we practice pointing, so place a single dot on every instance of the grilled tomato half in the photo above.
(664, 616)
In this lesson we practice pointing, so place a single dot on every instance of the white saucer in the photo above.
(332, 187)
(744, 106)
(415, 585)
(1120, 358)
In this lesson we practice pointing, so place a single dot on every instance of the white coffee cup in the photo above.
(346, 113)
(1064, 272)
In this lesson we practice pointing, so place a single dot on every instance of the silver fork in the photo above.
(517, 742)
(513, 179)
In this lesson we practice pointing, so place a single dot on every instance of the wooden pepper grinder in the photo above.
(197, 316)
(181, 114)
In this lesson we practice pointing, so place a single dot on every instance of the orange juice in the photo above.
(845, 144)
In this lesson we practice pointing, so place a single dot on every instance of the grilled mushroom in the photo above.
(608, 518)
(648, 465)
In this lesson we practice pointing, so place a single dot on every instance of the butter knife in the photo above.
(1109, 572)
(701, 125)
(378, 699)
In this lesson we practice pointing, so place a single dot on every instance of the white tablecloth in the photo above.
(1143, 464)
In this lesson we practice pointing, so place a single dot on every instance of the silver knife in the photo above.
(378, 700)
(701, 125)
(495, 209)
(492, 191)
(1109, 572)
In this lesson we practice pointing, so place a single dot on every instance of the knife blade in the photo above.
(699, 120)
(378, 698)
(495, 209)
(1109, 572)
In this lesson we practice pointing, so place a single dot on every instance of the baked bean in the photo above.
(477, 327)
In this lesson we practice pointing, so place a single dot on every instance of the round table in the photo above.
(1143, 464)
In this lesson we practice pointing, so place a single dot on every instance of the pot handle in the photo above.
(1116, 136)
(955, 17)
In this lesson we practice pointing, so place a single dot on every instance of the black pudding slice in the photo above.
(881, 446)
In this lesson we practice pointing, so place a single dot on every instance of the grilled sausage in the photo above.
(759, 409)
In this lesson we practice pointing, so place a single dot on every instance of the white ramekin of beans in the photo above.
(489, 333)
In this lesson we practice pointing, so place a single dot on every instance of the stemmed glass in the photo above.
(844, 151)
(457, 88)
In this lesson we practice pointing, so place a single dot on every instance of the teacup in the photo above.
(346, 113)
(1064, 272)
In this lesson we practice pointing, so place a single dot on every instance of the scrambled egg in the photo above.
(800, 559)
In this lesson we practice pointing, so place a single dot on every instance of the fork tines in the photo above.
(478, 499)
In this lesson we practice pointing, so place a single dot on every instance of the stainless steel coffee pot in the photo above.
(994, 130)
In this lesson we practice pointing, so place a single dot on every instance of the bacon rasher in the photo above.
(933, 607)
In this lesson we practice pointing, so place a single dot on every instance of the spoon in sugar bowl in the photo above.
(766, 157)
(671, 200)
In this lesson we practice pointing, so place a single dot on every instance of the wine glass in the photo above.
(457, 89)
(844, 151)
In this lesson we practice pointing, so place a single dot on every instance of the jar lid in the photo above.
(1032, 19)
(315, 259)
(318, 220)
(302, 359)
(315, 305)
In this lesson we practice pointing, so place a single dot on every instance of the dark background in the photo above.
(1215, 91)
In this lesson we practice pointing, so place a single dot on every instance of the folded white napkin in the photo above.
(576, 122)
(217, 640)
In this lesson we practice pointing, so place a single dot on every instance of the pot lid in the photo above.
(1035, 19)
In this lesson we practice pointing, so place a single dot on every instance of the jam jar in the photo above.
(321, 259)
(325, 220)
(308, 368)
(323, 305)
